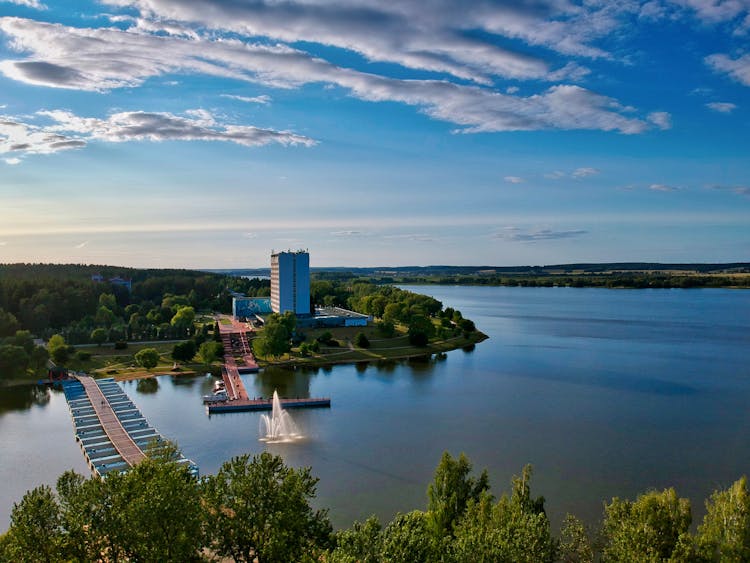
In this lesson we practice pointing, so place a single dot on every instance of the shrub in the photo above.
(121, 345)
(361, 340)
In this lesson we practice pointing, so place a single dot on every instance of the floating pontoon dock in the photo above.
(110, 429)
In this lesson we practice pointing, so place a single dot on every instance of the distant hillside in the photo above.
(581, 268)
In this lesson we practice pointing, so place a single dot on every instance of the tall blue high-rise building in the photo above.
(290, 282)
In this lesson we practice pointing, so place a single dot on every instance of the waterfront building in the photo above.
(290, 282)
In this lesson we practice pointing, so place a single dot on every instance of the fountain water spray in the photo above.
(279, 427)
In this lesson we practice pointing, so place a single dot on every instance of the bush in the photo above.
(386, 329)
(121, 345)
(325, 338)
(361, 340)
(82, 356)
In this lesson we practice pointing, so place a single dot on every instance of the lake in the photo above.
(606, 392)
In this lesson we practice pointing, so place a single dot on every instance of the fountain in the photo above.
(279, 427)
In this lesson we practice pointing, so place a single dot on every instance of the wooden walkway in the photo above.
(112, 426)
(234, 339)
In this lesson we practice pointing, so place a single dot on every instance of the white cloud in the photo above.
(264, 99)
(721, 107)
(103, 59)
(556, 175)
(81, 245)
(513, 179)
(28, 3)
(250, 235)
(661, 119)
(12, 161)
(69, 131)
(516, 234)
(662, 188)
(738, 69)
(512, 89)
(716, 11)
(584, 172)
(406, 33)
(739, 190)
(3, 243)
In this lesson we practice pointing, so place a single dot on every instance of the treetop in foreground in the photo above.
(256, 508)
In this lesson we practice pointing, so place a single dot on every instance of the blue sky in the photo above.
(206, 133)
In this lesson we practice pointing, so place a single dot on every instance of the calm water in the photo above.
(605, 392)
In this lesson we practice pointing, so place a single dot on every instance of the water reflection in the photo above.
(23, 397)
(288, 383)
(147, 386)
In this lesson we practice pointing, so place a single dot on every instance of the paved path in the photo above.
(121, 440)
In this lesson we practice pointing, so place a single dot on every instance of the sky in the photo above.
(209, 133)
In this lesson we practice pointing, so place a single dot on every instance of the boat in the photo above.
(217, 397)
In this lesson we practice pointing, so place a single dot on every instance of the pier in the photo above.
(242, 405)
(110, 429)
(234, 338)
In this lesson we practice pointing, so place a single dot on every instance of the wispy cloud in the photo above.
(662, 188)
(739, 190)
(12, 161)
(578, 173)
(264, 99)
(516, 234)
(348, 233)
(661, 119)
(417, 237)
(721, 107)
(250, 235)
(513, 179)
(104, 59)
(738, 69)
(3, 243)
(81, 245)
(70, 131)
(28, 3)
(584, 172)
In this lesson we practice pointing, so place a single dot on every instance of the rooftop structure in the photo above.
(290, 282)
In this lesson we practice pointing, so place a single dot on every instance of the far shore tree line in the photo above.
(258, 509)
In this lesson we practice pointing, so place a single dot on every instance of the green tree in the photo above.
(210, 351)
(362, 543)
(724, 534)
(14, 361)
(259, 507)
(386, 329)
(450, 491)
(38, 359)
(8, 323)
(58, 349)
(407, 539)
(515, 530)
(653, 528)
(184, 351)
(108, 300)
(147, 358)
(361, 340)
(420, 330)
(275, 338)
(183, 319)
(99, 336)
(104, 316)
(23, 339)
(575, 546)
(35, 528)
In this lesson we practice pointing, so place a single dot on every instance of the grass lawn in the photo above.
(380, 348)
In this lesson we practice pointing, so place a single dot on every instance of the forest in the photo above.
(257, 509)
